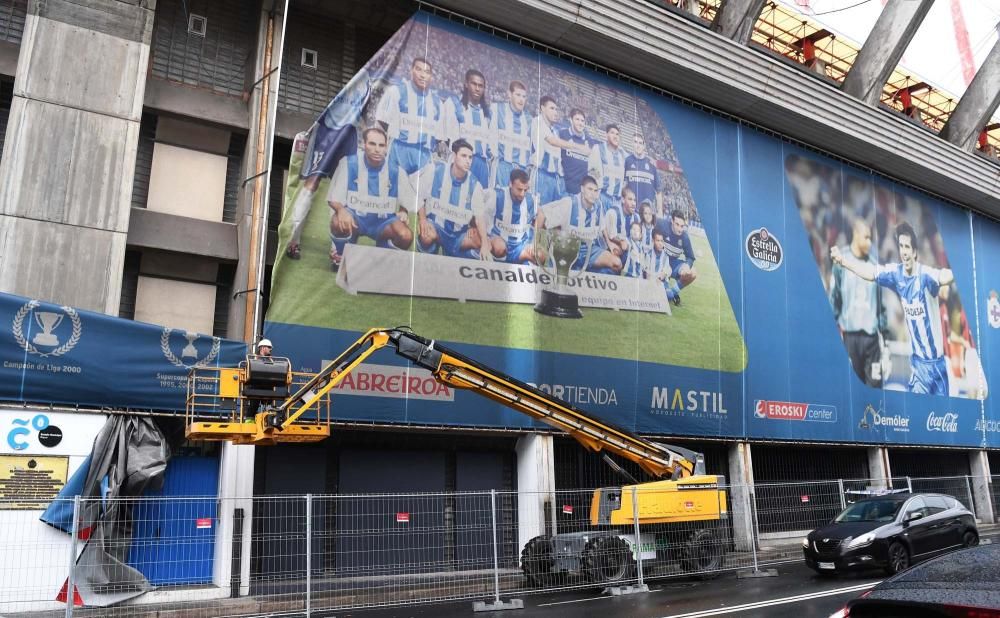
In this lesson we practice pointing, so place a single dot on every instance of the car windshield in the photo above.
(870, 510)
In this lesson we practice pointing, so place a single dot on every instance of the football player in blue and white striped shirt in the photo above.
(582, 214)
(512, 134)
(607, 165)
(637, 261)
(450, 199)
(367, 194)
(469, 118)
(548, 152)
(917, 286)
(412, 115)
(510, 213)
(618, 222)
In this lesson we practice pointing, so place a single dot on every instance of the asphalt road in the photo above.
(795, 592)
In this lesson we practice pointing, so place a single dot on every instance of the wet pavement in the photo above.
(796, 591)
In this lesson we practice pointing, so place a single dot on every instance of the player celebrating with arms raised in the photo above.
(917, 286)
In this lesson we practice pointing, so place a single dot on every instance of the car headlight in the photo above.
(861, 541)
(805, 542)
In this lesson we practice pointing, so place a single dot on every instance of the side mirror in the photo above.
(914, 516)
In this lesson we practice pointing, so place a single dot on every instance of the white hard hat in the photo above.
(264, 342)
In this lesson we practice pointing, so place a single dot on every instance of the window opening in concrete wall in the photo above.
(309, 58)
(197, 25)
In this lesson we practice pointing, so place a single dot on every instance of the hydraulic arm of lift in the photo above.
(272, 424)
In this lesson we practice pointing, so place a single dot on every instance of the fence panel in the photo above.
(796, 507)
(34, 558)
(293, 555)
(958, 487)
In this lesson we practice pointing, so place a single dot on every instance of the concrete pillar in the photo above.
(536, 484)
(881, 52)
(735, 19)
(69, 155)
(235, 492)
(977, 105)
(878, 467)
(742, 495)
(982, 486)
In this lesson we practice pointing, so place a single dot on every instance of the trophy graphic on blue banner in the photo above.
(48, 321)
(562, 254)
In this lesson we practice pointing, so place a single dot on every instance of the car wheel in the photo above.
(970, 539)
(899, 559)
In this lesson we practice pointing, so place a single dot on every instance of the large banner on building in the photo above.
(672, 271)
(56, 354)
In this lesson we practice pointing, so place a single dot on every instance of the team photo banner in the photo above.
(673, 272)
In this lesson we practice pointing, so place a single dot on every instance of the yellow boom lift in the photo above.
(680, 514)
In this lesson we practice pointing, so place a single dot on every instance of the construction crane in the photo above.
(680, 514)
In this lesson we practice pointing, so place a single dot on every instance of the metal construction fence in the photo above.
(311, 554)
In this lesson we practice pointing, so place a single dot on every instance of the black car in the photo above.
(890, 532)
(963, 583)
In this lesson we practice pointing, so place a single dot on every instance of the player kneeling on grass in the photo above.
(659, 267)
(369, 198)
(512, 210)
(450, 197)
(582, 215)
(677, 244)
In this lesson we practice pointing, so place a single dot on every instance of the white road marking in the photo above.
(605, 596)
(772, 602)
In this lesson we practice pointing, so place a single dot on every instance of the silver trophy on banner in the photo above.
(48, 321)
(563, 255)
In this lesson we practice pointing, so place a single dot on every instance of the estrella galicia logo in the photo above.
(763, 249)
(191, 350)
(48, 435)
(44, 336)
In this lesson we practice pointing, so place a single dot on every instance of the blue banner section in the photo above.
(61, 355)
(728, 284)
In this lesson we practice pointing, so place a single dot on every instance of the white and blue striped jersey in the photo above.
(512, 221)
(570, 213)
(512, 134)
(448, 202)
(471, 124)
(659, 264)
(410, 115)
(370, 190)
(617, 223)
(607, 166)
(637, 262)
(548, 157)
(918, 295)
(647, 237)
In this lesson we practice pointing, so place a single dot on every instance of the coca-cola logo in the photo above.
(946, 422)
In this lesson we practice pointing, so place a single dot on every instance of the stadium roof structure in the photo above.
(794, 36)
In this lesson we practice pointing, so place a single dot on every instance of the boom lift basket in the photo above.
(235, 404)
